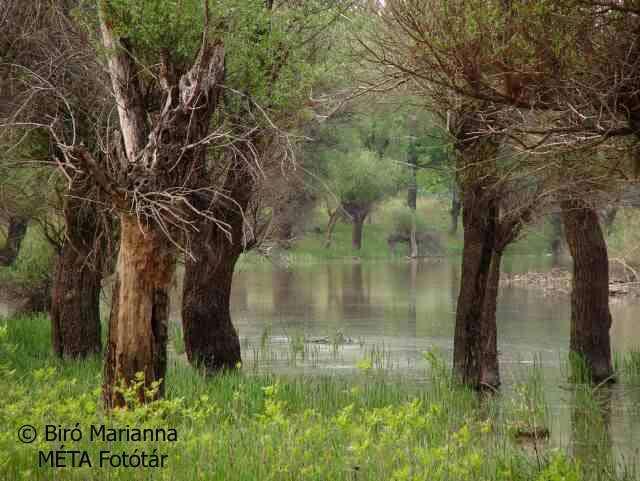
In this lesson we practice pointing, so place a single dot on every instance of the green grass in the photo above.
(33, 263)
(238, 426)
(387, 217)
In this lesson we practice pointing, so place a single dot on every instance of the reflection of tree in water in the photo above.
(332, 291)
(355, 296)
(413, 275)
(291, 294)
(590, 431)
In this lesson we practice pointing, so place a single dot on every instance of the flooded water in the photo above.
(392, 312)
(395, 311)
(407, 307)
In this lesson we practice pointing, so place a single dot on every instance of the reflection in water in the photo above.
(408, 307)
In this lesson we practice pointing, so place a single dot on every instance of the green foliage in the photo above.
(361, 176)
(34, 263)
(370, 426)
(271, 55)
(402, 218)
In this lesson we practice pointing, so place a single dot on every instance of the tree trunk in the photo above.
(211, 341)
(140, 311)
(590, 315)
(490, 369)
(333, 220)
(356, 240)
(75, 293)
(15, 235)
(474, 343)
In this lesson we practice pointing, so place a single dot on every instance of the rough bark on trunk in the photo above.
(15, 234)
(474, 353)
(75, 293)
(590, 314)
(490, 369)
(139, 318)
(211, 341)
(471, 339)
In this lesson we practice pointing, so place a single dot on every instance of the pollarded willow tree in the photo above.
(550, 77)
(166, 66)
(47, 102)
(452, 55)
(359, 156)
(275, 54)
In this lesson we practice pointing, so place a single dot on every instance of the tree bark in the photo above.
(474, 341)
(590, 314)
(474, 346)
(15, 235)
(358, 211)
(490, 369)
(211, 341)
(140, 311)
(75, 293)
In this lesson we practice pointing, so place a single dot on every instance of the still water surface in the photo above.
(396, 310)
(399, 309)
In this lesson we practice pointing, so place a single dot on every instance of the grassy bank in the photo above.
(245, 426)
(388, 217)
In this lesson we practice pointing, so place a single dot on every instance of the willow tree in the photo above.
(273, 58)
(166, 64)
(454, 56)
(44, 103)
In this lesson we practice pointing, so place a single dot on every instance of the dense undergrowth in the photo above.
(248, 426)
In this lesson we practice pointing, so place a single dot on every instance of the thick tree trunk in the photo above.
(75, 293)
(15, 235)
(211, 341)
(474, 356)
(139, 317)
(590, 315)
